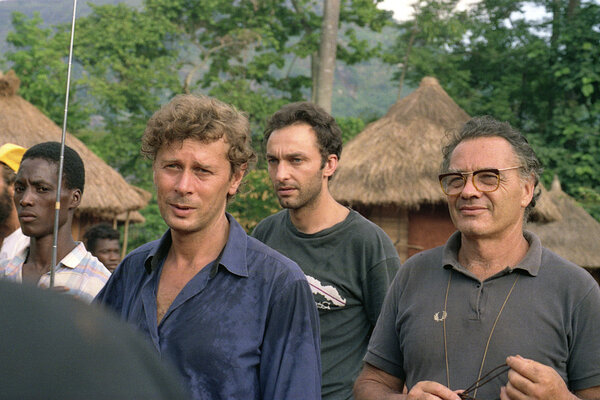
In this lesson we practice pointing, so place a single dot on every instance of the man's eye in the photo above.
(487, 178)
(455, 181)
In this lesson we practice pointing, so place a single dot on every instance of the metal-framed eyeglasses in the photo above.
(484, 180)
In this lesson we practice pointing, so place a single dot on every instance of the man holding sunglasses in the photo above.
(491, 296)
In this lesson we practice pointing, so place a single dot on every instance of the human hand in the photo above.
(60, 289)
(528, 379)
(428, 390)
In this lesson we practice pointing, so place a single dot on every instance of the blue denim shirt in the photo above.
(243, 328)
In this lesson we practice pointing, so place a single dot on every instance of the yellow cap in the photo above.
(11, 154)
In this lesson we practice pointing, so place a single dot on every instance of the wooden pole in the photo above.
(125, 236)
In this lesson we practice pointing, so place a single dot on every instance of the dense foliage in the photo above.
(245, 53)
(541, 75)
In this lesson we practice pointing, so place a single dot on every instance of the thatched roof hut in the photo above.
(389, 171)
(575, 236)
(395, 160)
(106, 193)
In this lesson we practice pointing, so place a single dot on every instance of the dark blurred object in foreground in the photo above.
(55, 347)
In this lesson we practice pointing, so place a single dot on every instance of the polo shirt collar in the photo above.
(530, 263)
(232, 258)
(73, 259)
(234, 254)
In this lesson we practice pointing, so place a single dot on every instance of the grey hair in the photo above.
(487, 126)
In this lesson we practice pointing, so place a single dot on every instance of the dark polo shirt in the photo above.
(245, 327)
(551, 316)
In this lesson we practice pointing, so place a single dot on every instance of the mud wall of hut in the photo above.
(428, 227)
(394, 222)
(412, 231)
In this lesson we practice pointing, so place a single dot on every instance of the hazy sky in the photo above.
(402, 8)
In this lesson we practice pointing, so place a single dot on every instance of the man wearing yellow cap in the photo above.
(13, 241)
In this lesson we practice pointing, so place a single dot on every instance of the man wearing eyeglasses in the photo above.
(491, 296)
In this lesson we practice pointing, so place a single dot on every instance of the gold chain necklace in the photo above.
(489, 337)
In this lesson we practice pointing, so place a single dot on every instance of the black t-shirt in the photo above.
(349, 267)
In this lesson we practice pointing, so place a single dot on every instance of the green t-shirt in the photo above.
(349, 267)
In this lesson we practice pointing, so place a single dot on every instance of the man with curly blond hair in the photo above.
(236, 317)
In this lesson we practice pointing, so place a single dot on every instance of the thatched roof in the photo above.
(106, 193)
(135, 217)
(395, 160)
(575, 236)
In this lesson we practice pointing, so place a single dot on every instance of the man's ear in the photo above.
(236, 179)
(74, 199)
(528, 191)
(330, 165)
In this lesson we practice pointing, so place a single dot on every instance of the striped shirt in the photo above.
(79, 271)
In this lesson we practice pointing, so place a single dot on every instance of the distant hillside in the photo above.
(52, 11)
(364, 90)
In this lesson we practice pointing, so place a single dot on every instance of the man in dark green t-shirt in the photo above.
(349, 261)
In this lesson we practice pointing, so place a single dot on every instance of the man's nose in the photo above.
(469, 190)
(184, 182)
(282, 172)
(26, 197)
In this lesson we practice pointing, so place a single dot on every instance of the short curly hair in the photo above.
(200, 118)
(487, 126)
(73, 168)
(328, 132)
(98, 232)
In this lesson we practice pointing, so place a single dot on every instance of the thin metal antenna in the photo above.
(62, 154)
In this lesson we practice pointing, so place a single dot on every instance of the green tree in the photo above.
(435, 27)
(39, 59)
(249, 41)
(123, 72)
(129, 61)
(255, 200)
(130, 71)
(541, 76)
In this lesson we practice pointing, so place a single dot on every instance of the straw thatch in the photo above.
(106, 193)
(575, 236)
(135, 217)
(395, 160)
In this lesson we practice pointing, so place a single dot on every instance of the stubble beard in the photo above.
(306, 196)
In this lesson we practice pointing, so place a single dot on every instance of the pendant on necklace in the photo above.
(440, 316)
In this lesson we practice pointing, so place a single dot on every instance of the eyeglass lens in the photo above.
(483, 180)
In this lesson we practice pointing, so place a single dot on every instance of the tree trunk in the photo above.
(314, 73)
(572, 8)
(413, 33)
(327, 50)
